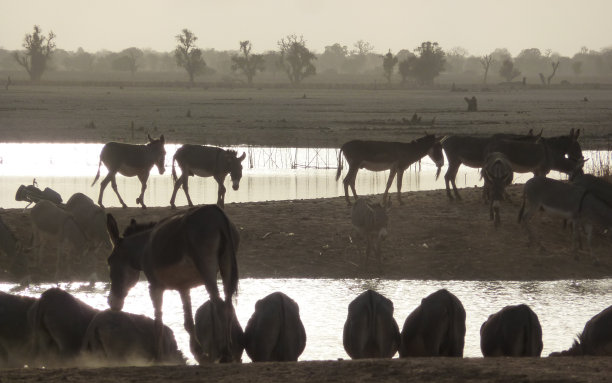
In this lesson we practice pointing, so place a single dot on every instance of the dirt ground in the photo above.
(429, 236)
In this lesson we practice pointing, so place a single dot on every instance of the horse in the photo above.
(130, 160)
(382, 155)
(178, 253)
(206, 161)
(370, 330)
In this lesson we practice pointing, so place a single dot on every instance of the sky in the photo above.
(479, 26)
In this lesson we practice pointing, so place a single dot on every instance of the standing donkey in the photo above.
(130, 160)
(206, 161)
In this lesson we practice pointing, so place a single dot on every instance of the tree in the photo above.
(555, 65)
(296, 58)
(38, 52)
(429, 63)
(577, 67)
(333, 58)
(508, 71)
(486, 63)
(187, 55)
(128, 60)
(248, 63)
(405, 68)
(389, 62)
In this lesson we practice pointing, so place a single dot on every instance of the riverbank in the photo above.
(429, 237)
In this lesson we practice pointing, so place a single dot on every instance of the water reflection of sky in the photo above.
(563, 307)
(269, 174)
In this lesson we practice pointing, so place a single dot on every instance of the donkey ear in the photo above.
(149, 137)
(161, 138)
(242, 157)
(113, 230)
(577, 134)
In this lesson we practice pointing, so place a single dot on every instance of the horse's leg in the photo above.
(389, 182)
(143, 186)
(220, 192)
(114, 186)
(177, 185)
(185, 177)
(194, 345)
(400, 176)
(157, 298)
(103, 185)
(349, 180)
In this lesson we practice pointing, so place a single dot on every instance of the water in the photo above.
(563, 307)
(269, 174)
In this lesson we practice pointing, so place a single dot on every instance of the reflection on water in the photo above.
(563, 307)
(269, 174)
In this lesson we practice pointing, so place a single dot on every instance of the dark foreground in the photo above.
(412, 370)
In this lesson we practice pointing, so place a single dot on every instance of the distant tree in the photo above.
(80, 61)
(272, 62)
(456, 59)
(332, 58)
(248, 63)
(405, 68)
(38, 52)
(486, 63)
(362, 48)
(296, 58)
(429, 63)
(508, 71)
(577, 67)
(389, 62)
(128, 60)
(187, 55)
(554, 65)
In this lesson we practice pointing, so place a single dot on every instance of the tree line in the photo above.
(421, 65)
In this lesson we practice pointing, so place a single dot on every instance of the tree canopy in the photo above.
(38, 51)
(248, 63)
(297, 60)
(187, 55)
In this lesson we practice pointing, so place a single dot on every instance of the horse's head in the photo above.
(123, 275)
(436, 154)
(234, 164)
(158, 151)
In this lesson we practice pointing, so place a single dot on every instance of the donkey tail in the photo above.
(97, 174)
(520, 215)
(339, 172)
(173, 169)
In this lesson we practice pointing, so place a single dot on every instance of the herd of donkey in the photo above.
(190, 248)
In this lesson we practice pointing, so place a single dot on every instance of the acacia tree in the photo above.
(296, 59)
(38, 52)
(389, 62)
(508, 71)
(486, 63)
(248, 63)
(187, 55)
(429, 63)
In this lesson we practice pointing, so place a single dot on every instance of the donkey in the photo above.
(380, 155)
(568, 201)
(512, 331)
(370, 221)
(497, 174)
(206, 161)
(595, 339)
(130, 160)
(209, 321)
(178, 253)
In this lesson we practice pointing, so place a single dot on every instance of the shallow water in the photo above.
(563, 307)
(269, 174)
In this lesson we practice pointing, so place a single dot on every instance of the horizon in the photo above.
(561, 26)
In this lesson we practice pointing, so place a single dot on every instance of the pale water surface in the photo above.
(563, 307)
(269, 174)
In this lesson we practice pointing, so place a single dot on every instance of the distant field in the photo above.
(292, 117)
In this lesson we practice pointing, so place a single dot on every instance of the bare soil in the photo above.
(430, 237)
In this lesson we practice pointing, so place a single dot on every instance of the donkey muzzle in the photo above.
(115, 303)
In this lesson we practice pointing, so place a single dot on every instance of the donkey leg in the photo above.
(103, 185)
(400, 176)
(389, 182)
(589, 233)
(157, 298)
(194, 344)
(186, 189)
(114, 186)
(349, 180)
(177, 185)
(449, 178)
(221, 195)
(143, 186)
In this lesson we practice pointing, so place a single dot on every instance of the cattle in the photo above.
(497, 174)
(595, 339)
(370, 330)
(59, 322)
(14, 330)
(275, 332)
(512, 331)
(52, 222)
(370, 222)
(435, 328)
(209, 321)
(116, 338)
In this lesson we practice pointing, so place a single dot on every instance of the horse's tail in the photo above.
(339, 165)
(173, 169)
(97, 174)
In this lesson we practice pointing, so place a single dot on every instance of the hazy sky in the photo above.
(476, 25)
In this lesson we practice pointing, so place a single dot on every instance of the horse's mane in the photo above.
(135, 227)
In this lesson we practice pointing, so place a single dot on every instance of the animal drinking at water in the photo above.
(178, 253)
(370, 222)
(497, 174)
(206, 161)
(380, 155)
(512, 331)
(130, 160)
